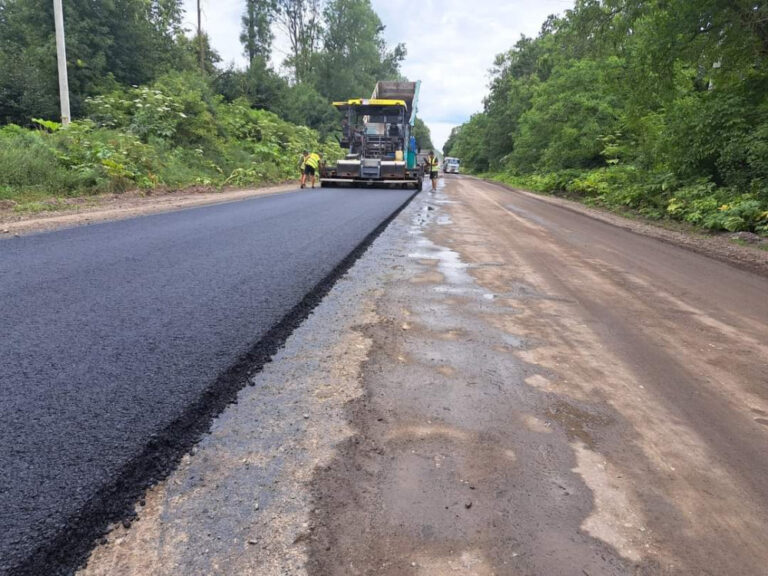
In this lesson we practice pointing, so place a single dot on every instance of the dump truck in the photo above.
(377, 133)
(451, 165)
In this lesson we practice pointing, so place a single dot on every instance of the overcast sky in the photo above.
(451, 45)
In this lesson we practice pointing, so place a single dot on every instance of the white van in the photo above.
(451, 165)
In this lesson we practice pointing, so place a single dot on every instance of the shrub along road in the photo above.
(114, 332)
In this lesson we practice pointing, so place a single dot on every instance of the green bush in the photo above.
(29, 164)
(654, 195)
(174, 133)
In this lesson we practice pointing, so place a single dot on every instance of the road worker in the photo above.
(311, 163)
(302, 166)
(432, 165)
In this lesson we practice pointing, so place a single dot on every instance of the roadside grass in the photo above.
(760, 246)
(696, 207)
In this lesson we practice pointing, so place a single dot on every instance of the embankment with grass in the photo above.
(173, 134)
(632, 192)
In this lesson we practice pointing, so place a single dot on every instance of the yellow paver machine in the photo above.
(378, 135)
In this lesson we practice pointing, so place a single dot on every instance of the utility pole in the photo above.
(61, 53)
(200, 36)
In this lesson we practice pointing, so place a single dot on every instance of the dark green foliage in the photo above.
(470, 144)
(566, 119)
(354, 53)
(177, 132)
(423, 136)
(337, 52)
(130, 41)
(147, 115)
(257, 35)
(659, 106)
(303, 104)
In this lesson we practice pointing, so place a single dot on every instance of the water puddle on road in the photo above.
(449, 262)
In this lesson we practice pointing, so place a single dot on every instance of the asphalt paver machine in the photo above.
(378, 135)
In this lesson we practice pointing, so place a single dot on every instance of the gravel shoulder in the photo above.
(91, 209)
(548, 394)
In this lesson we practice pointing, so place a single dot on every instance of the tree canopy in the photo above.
(337, 51)
(354, 54)
(659, 105)
(127, 42)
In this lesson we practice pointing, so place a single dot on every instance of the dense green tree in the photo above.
(257, 35)
(354, 54)
(303, 104)
(423, 135)
(661, 105)
(450, 143)
(337, 51)
(301, 21)
(567, 118)
(128, 41)
(189, 55)
(259, 84)
(470, 143)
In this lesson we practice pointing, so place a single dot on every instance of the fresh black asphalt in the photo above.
(109, 332)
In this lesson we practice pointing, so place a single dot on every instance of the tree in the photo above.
(659, 105)
(124, 41)
(354, 54)
(423, 136)
(302, 104)
(259, 84)
(469, 143)
(190, 50)
(450, 143)
(568, 116)
(257, 35)
(300, 20)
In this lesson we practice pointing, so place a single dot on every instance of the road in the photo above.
(111, 332)
(500, 386)
(569, 398)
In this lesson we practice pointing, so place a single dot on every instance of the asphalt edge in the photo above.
(96, 217)
(666, 236)
(116, 502)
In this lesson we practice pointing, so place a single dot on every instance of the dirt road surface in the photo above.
(499, 387)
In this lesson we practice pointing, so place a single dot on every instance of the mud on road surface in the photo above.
(499, 386)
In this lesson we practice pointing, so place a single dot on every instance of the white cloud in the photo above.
(451, 45)
(221, 21)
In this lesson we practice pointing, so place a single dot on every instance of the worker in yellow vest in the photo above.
(302, 164)
(432, 165)
(311, 165)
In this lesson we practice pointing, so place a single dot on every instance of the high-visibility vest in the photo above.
(313, 160)
(433, 164)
